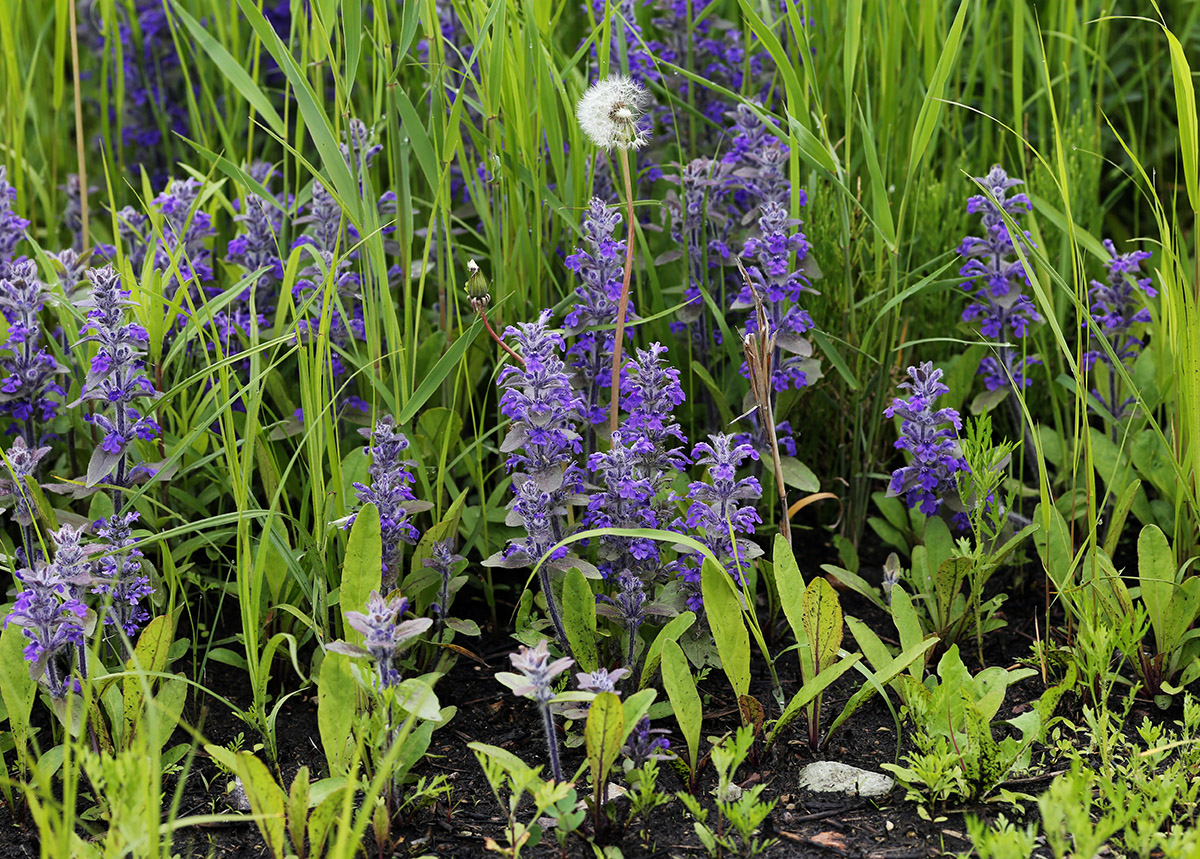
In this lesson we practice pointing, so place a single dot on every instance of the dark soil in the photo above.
(804, 823)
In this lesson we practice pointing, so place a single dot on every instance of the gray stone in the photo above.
(832, 777)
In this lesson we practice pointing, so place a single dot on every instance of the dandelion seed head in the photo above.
(609, 112)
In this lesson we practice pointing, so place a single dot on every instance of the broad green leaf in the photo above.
(1156, 573)
(873, 648)
(579, 619)
(363, 570)
(950, 577)
(266, 800)
(603, 735)
(417, 697)
(149, 656)
(798, 475)
(790, 585)
(908, 625)
(637, 706)
(17, 688)
(822, 613)
(671, 631)
(297, 806)
(337, 703)
(680, 687)
(724, 609)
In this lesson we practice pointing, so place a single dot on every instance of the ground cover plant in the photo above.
(471, 427)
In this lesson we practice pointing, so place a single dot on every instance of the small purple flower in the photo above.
(717, 513)
(647, 744)
(446, 563)
(390, 491)
(384, 632)
(923, 433)
(600, 680)
(71, 268)
(256, 246)
(21, 463)
(1116, 308)
(996, 275)
(12, 226)
(535, 681)
(779, 284)
(52, 621)
(539, 671)
(116, 378)
(119, 573)
(27, 370)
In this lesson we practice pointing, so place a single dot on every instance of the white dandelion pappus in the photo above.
(609, 112)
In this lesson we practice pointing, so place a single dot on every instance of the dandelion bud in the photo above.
(477, 287)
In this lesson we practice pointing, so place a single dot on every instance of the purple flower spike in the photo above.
(544, 408)
(390, 491)
(384, 632)
(716, 511)
(647, 744)
(599, 265)
(52, 621)
(997, 276)
(539, 671)
(119, 574)
(779, 285)
(27, 369)
(446, 563)
(116, 378)
(1116, 308)
(923, 432)
(12, 227)
(627, 501)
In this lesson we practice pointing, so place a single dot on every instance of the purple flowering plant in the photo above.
(116, 381)
(1118, 307)
(390, 490)
(930, 435)
(996, 278)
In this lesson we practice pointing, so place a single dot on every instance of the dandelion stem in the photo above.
(496, 337)
(623, 302)
(80, 140)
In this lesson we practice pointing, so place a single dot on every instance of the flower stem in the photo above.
(623, 302)
(551, 742)
(496, 337)
(80, 140)
(560, 631)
